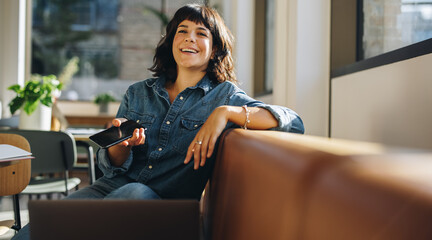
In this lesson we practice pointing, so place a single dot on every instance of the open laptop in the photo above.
(114, 219)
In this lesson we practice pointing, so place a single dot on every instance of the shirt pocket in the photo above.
(146, 120)
(187, 131)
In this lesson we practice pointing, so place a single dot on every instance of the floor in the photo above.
(6, 204)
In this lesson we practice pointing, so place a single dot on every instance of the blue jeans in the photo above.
(104, 188)
(114, 188)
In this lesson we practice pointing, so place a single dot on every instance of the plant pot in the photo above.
(40, 119)
(103, 108)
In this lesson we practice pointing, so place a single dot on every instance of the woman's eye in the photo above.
(203, 34)
(181, 31)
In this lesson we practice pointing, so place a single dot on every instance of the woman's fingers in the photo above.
(189, 153)
(138, 138)
(118, 121)
(197, 153)
(204, 149)
(211, 146)
(200, 150)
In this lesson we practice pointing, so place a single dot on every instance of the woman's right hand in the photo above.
(138, 136)
(120, 152)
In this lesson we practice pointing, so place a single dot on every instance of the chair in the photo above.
(55, 154)
(14, 176)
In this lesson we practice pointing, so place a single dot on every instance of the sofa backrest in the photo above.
(274, 185)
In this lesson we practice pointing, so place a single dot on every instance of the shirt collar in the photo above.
(152, 81)
(205, 84)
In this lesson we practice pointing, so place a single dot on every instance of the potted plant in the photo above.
(35, 99)
(103, 100)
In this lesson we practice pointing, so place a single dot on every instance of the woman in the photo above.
(185, 108)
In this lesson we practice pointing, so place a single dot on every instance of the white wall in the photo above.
(302, 61)
(12, 48)
(239, 17)
(302, 53)
(390, 104)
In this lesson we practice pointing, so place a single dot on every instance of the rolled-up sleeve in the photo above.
(288, 120)
(107, 168)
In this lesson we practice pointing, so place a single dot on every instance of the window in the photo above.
(264, 46)
(392, 24)
(371, 33)
(113, 39)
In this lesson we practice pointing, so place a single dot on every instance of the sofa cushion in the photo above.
(372, 197)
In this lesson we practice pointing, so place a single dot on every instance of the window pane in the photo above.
(392, 24)
(113, 39)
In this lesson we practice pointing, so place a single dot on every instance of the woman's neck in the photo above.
(184, 80)
(187, 79)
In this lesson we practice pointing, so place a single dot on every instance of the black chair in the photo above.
(55, 155)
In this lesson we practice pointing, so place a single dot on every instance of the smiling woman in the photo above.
(190, 101)
(220, 66)
(192, 46)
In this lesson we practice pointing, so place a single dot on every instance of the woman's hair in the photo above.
(220, 67)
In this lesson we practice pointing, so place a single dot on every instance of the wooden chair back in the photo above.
(14, 175)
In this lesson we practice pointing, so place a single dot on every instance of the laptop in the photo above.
(114, 219)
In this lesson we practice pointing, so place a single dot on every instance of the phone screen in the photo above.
(115, 135)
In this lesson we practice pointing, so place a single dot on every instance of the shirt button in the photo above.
(181, 97)
(168, 122)
(160, 149)
(150, 167)
(195, 125)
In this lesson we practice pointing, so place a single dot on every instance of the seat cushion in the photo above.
(52, 186)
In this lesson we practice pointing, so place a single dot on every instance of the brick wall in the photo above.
(381, 32)
(139, 34)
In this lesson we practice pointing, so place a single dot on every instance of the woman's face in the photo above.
(192, 46)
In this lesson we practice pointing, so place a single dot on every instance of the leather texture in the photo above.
(274, 185)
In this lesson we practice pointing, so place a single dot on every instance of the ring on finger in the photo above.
(198, 142)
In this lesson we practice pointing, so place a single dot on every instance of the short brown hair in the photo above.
(220, 67)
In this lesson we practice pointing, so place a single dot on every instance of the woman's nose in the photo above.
(189, 39)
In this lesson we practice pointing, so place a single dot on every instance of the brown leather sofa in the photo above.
(273, 185)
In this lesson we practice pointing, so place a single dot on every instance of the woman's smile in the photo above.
(192, 46)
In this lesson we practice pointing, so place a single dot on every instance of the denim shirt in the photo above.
(171, 127)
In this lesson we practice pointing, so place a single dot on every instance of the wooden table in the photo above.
(100, 121)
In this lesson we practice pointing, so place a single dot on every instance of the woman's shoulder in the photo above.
(149, 82)
(231, 87)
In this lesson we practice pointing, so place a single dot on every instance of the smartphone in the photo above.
(115, 135)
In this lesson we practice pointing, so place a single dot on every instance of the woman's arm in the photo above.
(203, 145)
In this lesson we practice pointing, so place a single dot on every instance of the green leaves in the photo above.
(104, 98)
(38, 89)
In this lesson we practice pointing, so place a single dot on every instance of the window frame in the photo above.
(344, 58)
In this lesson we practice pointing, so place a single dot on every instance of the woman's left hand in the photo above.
(203, 144)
